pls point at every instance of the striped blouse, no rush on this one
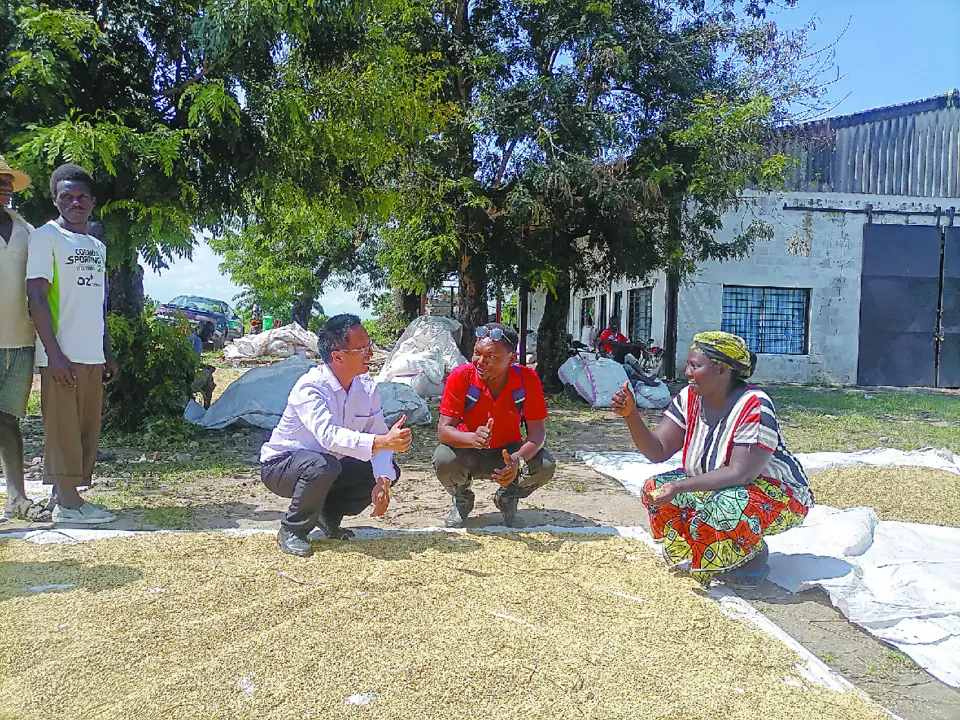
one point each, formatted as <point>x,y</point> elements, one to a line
<point>751,421</point>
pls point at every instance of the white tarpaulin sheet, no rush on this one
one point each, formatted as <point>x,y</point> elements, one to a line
<point>283,341</point>
<point>899,581</point>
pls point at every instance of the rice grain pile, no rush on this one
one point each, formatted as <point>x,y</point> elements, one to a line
<point>424,626</point>
<point>910,494</point>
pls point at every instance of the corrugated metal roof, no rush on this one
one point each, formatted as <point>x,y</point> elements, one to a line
<point>911,149</point>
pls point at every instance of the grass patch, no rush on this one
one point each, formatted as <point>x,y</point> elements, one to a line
<point>807,431</point>
<point>170,518</point>
<point>33,403</point>
<point>902,404</point>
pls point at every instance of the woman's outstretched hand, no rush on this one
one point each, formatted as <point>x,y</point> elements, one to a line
<point>623,403</point>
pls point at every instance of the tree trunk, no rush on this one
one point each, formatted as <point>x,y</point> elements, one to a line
<point>674,230</point>
<point>473,298</point>
<point>552,334</point>
<point>302,308</point>
<point>125,296</point>
<point>407,304</point>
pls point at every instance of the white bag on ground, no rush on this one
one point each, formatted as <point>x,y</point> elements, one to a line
<point>399,400</point>
<point>425,355</point>
<point>599,380</point>
<point>652,398</point>
<point>571,369</point>
<point>284,341</point>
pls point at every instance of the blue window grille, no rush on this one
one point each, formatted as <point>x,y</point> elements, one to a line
<point>774,321</point>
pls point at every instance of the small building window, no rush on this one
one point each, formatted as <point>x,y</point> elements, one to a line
<point>586,312</point>
<point>640,314</point>
<point>774,321</point>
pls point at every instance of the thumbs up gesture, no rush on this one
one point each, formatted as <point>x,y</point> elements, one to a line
<point>507,474</point>
<point>623,403</point>
<point>397,439</point>
<point>481,436</point>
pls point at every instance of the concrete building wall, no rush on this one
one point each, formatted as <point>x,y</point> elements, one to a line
<point>821,251</point>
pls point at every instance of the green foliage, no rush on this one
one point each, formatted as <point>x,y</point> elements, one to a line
<point>157,368</point>
<point>168,433</point>
<point>388,321</point>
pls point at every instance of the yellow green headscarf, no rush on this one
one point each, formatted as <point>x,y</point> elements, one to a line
<point>728,349</point>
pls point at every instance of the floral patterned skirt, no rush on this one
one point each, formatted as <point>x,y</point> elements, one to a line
<point>720,530</point>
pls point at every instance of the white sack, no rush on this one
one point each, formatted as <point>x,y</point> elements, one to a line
<point>652,398</point>
<point>424,356</point>
<point>599,380</point>
<point>283,341</point>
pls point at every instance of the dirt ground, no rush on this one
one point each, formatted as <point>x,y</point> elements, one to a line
<point>215,484</point>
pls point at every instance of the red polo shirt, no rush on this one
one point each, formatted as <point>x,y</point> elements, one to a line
<point>610,334</point>
<point>503,410</point>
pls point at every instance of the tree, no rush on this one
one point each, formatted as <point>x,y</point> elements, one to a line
<point>581,147</point>
<point>172,106</point>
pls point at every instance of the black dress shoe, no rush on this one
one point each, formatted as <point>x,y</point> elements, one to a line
<point>293,544</point>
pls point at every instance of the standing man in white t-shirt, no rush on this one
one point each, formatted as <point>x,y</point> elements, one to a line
<point>66,284</point>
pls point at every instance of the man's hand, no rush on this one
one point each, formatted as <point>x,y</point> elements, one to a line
<point>508,473</point>
<point>623,403</point>
<point>481,436</point>
<point>110,371</point>
<point>62,369</point>
<point>380,497</point>
<point>397,439</point>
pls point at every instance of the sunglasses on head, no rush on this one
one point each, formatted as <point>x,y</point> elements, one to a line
<point>492,333</point>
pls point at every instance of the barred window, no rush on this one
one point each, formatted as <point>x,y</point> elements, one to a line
<point>774,321</point>
<point>586,312</point>
<point>640,314</point>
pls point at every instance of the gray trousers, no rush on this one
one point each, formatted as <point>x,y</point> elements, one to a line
<point>319,483</point>
<point>456,468</point>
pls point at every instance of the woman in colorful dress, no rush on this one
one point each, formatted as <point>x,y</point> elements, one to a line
<point>738,482</point>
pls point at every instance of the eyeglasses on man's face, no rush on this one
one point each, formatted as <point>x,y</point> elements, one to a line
<point>366,350</point>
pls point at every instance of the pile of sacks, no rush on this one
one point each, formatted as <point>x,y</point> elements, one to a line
<point>425,354</point>
<point>597,379</point>
<point>284,341</point>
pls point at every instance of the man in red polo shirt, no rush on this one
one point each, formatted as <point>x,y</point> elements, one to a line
<point>611,338</point>
<point>484,405</point>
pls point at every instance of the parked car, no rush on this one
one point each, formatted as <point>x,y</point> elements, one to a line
<point>215,321</point>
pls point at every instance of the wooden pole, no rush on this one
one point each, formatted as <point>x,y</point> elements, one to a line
<point>499,308</point>
<point>523,325</point>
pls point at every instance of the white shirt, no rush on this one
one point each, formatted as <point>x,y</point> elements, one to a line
<point>75,265</point>
<point>16,330</point>
<point>323,417</point>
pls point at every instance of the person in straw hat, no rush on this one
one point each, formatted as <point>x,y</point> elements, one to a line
<point>16,345</point>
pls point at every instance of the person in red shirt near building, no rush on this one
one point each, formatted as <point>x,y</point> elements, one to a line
<point>611,338</point>
<point>485,403</point>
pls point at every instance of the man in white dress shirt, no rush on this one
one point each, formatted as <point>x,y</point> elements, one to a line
<point>332,453</point>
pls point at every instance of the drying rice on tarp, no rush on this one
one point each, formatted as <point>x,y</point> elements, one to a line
<point>213,625</point>
<point>909,494</point>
